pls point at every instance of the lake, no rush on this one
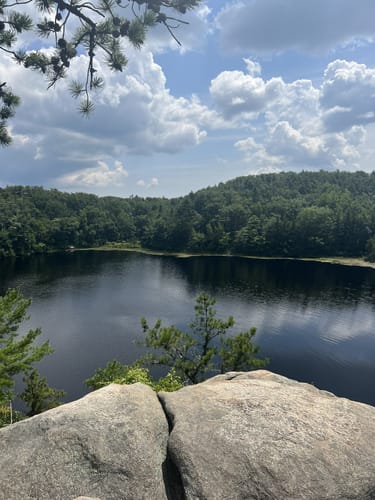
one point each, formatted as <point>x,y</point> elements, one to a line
<point>315,321</point>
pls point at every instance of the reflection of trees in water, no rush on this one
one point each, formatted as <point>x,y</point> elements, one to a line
<point>50,268</point>
<point>260,280</point>
<point>297,281</point>
<point>306,313</point>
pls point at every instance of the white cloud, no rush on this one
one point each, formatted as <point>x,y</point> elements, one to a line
<point>18,139</point>
<point>236,92</point>
<point>246,95</point>
<point>257,154</point>
<point>135,114</point>
<point>253,67</point>
<point>297,103</point>
<point>154,182</point>
<point>288,142</point>
<point>348,95</point>
<point>102,175</point>
<point>274,123</point>
<point>266,26</point>
<point>290,127</point>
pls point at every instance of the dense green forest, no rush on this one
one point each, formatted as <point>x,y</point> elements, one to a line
<point>303,214</point>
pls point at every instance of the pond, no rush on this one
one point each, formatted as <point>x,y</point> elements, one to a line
<point>315,321</point>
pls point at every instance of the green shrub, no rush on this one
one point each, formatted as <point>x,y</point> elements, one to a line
<point>6,418</point>
<point>117,373</point>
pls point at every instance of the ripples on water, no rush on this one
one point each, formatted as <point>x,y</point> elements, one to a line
<point>315,321</point>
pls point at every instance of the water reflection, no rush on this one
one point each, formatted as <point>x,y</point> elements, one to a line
<point>315,321</point>
<point>271,279</point>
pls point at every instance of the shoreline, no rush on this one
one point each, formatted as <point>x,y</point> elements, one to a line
<point>342,261</point>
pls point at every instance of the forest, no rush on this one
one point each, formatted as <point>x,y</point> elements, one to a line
<point>306,214</point>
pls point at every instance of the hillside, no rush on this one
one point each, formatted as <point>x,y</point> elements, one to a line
<point>305,214</point>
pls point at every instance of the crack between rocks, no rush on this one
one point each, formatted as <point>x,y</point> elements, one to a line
<point>174,487</point>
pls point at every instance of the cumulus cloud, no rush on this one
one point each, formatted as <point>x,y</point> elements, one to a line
<point>135,114</point>
<point>253,67</point>
<point>288,142</point>
<point>290,125</point>
<point>266,26</point>
<point>257,154</point>
<point>246,95</point>
<point>236,92</point>
<point>274,124</point>
<point>101,175</point>
<point>348,95</point>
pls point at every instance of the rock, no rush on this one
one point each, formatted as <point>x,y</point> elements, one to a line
<point>111,444</point>
<point>258,435</point>
<point>234,437</point>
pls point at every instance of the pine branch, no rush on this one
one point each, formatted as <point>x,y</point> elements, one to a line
<point>102,28</point>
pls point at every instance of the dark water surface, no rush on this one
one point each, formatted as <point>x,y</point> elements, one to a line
<point>316,322</point>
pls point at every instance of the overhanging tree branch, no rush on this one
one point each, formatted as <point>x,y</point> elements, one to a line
<point>102,27</point>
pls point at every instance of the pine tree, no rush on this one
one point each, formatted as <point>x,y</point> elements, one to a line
<point>206,349</point>
<point>38,395</point>
<point>17,353</point>
<point>103,26</point>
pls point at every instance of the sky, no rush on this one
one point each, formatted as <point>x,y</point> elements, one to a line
<point>257,86</point>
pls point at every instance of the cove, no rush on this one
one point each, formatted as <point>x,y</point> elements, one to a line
<point>315,321</point>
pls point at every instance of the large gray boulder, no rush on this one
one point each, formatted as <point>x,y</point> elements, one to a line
<point>111,444</point>
<point>236,436</point>
<point>262,436</point>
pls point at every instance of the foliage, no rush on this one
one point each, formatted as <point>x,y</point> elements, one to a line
<point>117,373</point>
<point>8,416</point>
<point>8,103</point>
<point>170,383</point>
<point>17,354</point>
<point>205,349</point>
<point>38,395</point>
<point>104,26</point>
<point>309,214</point>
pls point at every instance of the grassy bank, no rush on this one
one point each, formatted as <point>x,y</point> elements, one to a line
<point>343,261</point>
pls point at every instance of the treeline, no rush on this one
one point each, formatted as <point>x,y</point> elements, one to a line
<point>287,214</point>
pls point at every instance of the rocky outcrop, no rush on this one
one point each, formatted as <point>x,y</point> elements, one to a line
<point>262,436</point>
<point>111,444</point>
<point>236,436</point>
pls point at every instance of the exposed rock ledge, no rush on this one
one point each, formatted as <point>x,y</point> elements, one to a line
<point>234,437</point>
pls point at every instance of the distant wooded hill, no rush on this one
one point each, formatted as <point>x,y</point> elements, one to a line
<point>288,214</point>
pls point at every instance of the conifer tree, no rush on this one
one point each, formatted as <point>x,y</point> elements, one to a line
<point>17,353</point>
<point>206,349</point>
<point>103,25</point>
<point>38,395</point>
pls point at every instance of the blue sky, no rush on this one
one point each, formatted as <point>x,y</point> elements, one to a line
<point>257,86</point>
